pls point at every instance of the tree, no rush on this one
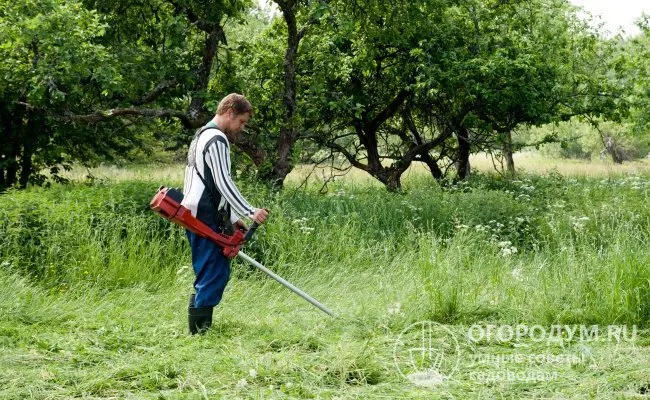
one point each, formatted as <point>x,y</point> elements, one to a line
<point>49,58</point>
<point>268,72</point>
<point>67,71</point>
<point>638,69</point>
<point>431,81</point>
<point>522,64</point>
<point>359,71</point>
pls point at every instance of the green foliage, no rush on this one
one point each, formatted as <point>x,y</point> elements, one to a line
<point>475,69</point>
<point>638,72</point>
<point>55,65</point>
<point>104,235</point>
<point>580,140</point>
<point>373,79</point>
<point>69,63</point>
<point>48,52</point>
<point>89,233</point>
<point>96,290</point>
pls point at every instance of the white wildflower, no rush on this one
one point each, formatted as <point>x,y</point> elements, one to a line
<point>242,383</point>
<point>394,309</point>
<point>559,204</point>
<point>579,222</point>
<point>252,373</point>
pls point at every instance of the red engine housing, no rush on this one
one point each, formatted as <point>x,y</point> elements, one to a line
<point>167,203</point>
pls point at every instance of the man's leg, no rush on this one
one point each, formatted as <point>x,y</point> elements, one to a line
<point>212,271</point>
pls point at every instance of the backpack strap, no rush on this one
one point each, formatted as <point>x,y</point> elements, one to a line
<point>214,198</point>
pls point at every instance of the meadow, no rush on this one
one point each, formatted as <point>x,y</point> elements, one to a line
<point>536,287</point>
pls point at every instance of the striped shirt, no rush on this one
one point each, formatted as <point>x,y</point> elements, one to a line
<point>209,154</point>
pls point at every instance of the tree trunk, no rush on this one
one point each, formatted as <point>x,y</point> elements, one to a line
<point>12,159</point>
<point>391,178</point>
<point>25,165</point>
<point>613,149</point>
<point>394,183</point>
<point>203,73</point>
<point>436,172</point>
<point>507,153</point>
<point>12,172</point>
<point>462,163</point>
<point>282,164</point>
<point>4,146</point>
<point>33,128</point>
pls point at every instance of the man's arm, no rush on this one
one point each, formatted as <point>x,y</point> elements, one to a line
<point>217,159</point>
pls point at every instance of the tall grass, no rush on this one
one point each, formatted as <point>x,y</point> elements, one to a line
<point>88,234</point>
<point>95,287</point>
<point>542,249</point>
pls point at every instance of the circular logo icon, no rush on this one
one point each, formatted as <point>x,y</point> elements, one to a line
<point>426,353</point>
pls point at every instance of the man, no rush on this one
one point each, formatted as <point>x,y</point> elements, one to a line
<point>212,197</point>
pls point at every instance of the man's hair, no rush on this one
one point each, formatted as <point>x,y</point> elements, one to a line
<point>235,102</point>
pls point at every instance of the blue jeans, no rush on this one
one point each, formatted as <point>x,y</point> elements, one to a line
<point>211,268</point>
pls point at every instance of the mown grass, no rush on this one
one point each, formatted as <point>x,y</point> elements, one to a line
<point>96,289</point>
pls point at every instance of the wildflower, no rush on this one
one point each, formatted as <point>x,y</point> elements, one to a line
<point>507,249</point>
<point>252,373</point>
<point>559,204</point>
<point>579,222</point>
<point>395,309</point>
<point>242,383</point>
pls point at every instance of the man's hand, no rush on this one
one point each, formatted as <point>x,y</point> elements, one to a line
<point>261,215</point>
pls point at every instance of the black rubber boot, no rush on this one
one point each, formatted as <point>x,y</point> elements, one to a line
<point>199,318</point>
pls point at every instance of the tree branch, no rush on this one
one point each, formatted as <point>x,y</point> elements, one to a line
<point>387,112</point>
<point>249,146</point>
<point>156,92</point>
<point>206,26</point>
<point>140,112</point>
<point>335,146</point>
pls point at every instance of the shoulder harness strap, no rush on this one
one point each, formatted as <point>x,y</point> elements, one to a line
<point>191,161</point>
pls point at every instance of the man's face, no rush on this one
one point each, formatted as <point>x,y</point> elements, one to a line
<point>236,122</point>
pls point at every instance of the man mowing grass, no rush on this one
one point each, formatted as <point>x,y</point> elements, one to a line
<point>212,197</point>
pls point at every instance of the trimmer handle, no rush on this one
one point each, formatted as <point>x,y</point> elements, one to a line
<point>250,231</point>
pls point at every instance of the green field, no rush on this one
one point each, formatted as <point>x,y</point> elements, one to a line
<point>490,289</point>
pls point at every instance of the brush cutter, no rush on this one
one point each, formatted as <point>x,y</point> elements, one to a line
<point>167,203</point>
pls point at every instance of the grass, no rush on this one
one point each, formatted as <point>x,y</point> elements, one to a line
<point>96,290</point>
<point>526,162</point>
<point>533,162</point>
